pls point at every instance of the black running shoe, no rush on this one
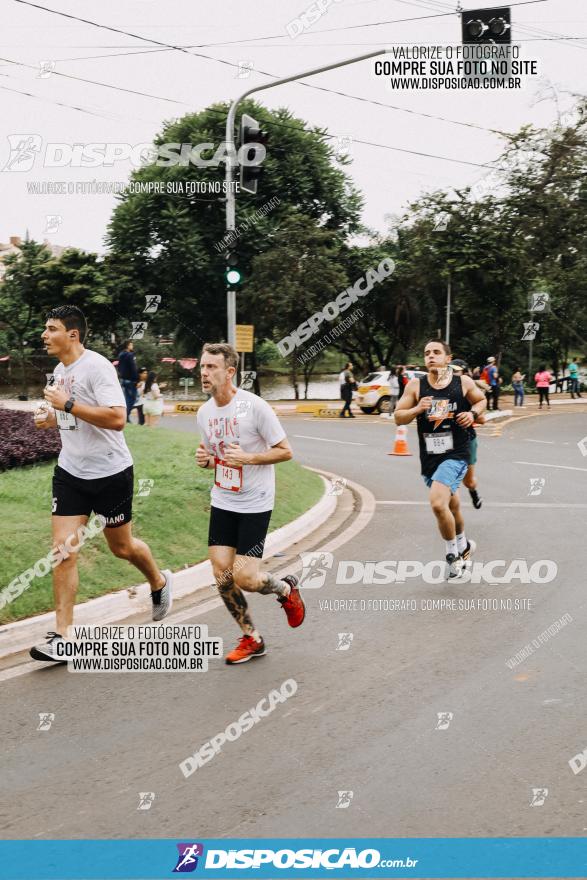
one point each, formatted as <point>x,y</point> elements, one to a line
<point>477,502</point>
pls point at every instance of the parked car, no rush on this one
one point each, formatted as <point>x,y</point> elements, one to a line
<point>373,393</point>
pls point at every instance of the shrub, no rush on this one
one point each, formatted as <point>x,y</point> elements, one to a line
<point>21,443</point>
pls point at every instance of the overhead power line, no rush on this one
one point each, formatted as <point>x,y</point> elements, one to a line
<point>168,46</point>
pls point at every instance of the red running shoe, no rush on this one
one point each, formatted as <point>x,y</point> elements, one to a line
<point>293,605</point>
<point>246,649</point>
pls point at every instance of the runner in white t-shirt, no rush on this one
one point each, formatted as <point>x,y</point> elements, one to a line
<point>94,472</point>
<point>241,441</point>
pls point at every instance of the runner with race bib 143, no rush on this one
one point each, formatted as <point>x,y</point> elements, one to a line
<point>242,439</point>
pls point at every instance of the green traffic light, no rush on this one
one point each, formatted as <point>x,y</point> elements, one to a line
<point>233,276</point>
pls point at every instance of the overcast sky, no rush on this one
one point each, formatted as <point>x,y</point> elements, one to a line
<point>223,30</point>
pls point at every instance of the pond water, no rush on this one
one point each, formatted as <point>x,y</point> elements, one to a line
<point>322,387</point>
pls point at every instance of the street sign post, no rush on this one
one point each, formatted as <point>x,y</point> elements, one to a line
<point>186,383</point>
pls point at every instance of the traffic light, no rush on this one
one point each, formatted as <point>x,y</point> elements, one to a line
<point>491,25</point>
<point>251,153</point>
<point>232,273</point>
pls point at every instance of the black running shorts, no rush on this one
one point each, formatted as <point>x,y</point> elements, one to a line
<point>246,532</point>
<point>111,497</point>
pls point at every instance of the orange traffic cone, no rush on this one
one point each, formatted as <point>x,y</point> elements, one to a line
<point>400,446</point>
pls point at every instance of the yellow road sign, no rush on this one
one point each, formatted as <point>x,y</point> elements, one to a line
<point>244,337</point>
<point>188,407</point>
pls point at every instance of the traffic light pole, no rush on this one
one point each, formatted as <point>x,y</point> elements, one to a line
<point>231,161</point>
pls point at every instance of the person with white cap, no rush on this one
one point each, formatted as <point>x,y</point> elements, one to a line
<point>490,375</point>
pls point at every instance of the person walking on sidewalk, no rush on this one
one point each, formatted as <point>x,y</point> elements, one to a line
<point>129,375</point>
<point>543,379</point>
<point>242,440</point>
<point>346,390</point>
<point>518,386</point>
<point>445,406</point>
<point>94,472</point>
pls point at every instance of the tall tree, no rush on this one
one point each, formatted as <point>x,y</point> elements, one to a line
<point>292,281</point>
<point>173,243</point>
<point>22,299</point>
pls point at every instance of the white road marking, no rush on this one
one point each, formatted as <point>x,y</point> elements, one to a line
<point>562,467</point>
<point>495,504</point>
<point>327,440</point>
<point>546,442</point>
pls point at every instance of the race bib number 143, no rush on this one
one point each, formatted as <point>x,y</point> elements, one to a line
<point>228,476</point>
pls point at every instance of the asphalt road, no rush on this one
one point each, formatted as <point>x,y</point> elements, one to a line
<point>363,720</point>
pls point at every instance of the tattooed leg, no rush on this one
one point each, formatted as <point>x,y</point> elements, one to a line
<point>272,584</point>
<point>235,601</point>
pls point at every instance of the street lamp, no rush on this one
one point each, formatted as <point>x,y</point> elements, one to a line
<point>231,160</point>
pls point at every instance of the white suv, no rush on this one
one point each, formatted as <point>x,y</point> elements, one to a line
<point>374,393</point>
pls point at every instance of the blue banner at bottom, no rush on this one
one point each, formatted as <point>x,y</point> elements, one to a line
<point>555,857</point>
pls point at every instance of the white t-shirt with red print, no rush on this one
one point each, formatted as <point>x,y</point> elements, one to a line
<point>249,421</point>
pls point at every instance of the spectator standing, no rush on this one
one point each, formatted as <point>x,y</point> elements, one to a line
<point>543,378</point>
<point>143,373</point>
<point>346,391</point>
<point>129,375</point>
<point>574,384</point>
<point>400,373</point>
<point>153,401</point>
<point>393,390</point>
<point>490,375</point>
<point>518,386</point>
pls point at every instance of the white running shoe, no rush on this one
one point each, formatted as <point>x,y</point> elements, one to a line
<point>455,566</point>
<point>48,651</point>
<point>162,607</point>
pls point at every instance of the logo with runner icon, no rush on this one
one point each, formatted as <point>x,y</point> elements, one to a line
<point>187,860</point>
<point>314,568</point>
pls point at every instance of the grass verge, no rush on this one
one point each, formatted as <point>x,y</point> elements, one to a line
<point>173,518</point>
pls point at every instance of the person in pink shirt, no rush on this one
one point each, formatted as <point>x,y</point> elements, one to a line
<point>543,378</point>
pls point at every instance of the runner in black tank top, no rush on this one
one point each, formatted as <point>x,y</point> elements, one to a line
<point>445,407</point>
<point>439,434</point>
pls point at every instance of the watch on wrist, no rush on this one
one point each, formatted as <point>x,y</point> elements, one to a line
<point>68,406</point>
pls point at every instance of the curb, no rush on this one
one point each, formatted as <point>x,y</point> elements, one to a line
<point>113,607</point>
